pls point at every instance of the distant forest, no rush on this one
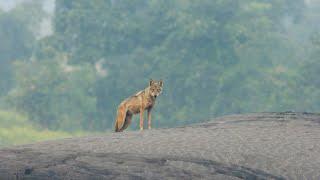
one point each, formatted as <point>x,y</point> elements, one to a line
<point>216,57</point>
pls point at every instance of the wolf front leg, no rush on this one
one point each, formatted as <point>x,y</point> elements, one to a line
<point>141,118</point>
<point>149,118</point>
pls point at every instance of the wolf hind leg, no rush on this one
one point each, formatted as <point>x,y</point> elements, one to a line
<point>127,121</point>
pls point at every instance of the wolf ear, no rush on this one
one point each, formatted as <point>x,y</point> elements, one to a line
<point>151,82</point>
<point>161,82</point>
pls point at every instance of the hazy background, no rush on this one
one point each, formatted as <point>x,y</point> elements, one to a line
<point>67,64</point>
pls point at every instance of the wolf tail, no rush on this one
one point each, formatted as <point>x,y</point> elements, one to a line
<point>121,117</point>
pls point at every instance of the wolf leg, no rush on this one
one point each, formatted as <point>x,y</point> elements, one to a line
<point>127,121</point>
<point>141,118</point>
<point>149,118</point>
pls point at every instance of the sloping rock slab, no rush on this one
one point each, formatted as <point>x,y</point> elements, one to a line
<point>251,146</point>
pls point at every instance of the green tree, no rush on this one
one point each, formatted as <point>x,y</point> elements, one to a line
<point>202,50</point>
<point>55,94</point>
<point>17,35</point>
<point>215,57</point>
<point>16,42</point>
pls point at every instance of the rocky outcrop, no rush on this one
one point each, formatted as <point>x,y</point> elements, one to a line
<point>252,146</point>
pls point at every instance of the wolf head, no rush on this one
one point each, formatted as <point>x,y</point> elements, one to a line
<point>155,87</point>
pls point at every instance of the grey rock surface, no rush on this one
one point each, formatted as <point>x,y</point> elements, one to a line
<point>251,146</point>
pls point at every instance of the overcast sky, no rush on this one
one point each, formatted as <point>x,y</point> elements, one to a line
<point>46,24</point>
<point>48,5</point>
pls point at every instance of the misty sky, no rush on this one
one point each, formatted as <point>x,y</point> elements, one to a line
<point>45,26</point>
<point>48,5</point>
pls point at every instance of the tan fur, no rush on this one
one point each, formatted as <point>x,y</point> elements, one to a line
<point>138,103</point>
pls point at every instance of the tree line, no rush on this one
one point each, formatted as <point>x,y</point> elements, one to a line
<point>215,57</point>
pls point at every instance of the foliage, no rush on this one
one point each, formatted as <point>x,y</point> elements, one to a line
<point>215,57</point>
<point>16,129</point>
<point>56,93</point>
<point>17,37</point>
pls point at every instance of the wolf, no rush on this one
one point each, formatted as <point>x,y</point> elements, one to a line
<point>138,103</point>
